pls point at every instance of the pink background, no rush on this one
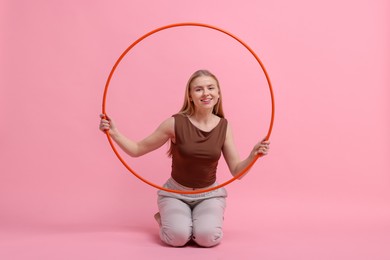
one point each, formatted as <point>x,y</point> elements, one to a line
<point>322,193</point>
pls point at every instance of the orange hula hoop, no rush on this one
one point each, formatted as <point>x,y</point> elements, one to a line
<point>196,191</point>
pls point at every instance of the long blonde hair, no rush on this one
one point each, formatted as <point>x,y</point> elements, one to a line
<point>188,107</point>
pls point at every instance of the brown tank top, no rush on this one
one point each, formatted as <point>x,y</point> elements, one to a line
<point>196,153</point>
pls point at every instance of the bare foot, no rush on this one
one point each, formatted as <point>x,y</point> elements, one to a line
<point>157,217</point>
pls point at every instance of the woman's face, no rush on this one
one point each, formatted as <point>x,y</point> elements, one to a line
<point>204,92</point>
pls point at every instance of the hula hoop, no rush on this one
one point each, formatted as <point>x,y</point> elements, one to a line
<point>195,191</point>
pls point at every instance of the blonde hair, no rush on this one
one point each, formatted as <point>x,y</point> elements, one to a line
<point>188,107</point>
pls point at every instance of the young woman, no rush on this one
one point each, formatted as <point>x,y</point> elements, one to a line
<point>198,134</point>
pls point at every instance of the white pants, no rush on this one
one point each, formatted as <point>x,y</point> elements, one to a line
<point>191,216</point>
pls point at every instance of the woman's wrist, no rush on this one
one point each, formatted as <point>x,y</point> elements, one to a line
<point>114,134</point>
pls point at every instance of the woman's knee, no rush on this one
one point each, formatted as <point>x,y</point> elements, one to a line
<point>207,237</point>
<point>175,236</point>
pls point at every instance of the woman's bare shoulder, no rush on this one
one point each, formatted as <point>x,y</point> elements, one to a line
<point>168,126</point>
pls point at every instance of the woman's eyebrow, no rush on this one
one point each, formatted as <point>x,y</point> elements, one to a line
<point>200,86</point>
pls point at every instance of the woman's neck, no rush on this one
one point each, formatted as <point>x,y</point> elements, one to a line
<point>203,116</point>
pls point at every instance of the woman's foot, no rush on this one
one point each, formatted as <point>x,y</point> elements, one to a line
<point>157,217</point>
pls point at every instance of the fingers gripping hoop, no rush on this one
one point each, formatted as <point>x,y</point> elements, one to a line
<point>180,25</point>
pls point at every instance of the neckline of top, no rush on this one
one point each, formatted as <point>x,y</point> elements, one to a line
<point>219,122</point>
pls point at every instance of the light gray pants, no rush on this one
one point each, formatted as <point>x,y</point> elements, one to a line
<point>191,216</point>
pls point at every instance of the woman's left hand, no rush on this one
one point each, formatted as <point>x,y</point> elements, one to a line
<point>261,148</point>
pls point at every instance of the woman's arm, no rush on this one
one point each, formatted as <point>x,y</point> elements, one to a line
<point>160,136</point>
<point>232,157</point>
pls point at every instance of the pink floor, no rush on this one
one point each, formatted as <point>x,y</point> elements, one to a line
<point>285,230</point>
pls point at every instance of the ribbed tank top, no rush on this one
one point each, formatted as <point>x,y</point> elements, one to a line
<point>196,153</point>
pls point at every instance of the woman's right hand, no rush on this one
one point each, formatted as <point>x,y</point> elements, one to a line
<point>106,124</point>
